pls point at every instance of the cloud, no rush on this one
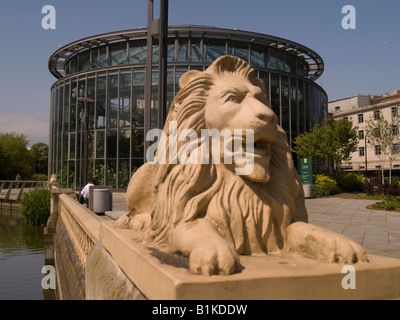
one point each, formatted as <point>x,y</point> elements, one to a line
<point>35,128</point>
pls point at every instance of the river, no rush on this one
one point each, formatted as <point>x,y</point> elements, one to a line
<point>22,257</point>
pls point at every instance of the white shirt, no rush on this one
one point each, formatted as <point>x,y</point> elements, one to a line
<point>85,190</point>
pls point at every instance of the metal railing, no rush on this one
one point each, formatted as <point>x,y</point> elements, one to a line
<point>12,190</point>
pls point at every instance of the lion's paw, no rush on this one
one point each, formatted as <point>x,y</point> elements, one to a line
<point>323,245</point>
<point>213,259</point>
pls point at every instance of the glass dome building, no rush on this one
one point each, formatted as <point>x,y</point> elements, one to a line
<point>101,89</point>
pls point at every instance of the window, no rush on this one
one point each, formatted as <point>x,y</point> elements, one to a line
<point>377,150</point>
<point>377,115</point>
<point>361,135</point>
<point>337,109</point>
<point>396,148</point>
<point>395,130</point>
<point>361,118</point>
<point>394,112</point>
<point>361,151</point>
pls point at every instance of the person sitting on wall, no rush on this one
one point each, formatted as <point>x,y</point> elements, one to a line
<point>84,196</point>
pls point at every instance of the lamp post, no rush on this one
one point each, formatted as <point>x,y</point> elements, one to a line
<point>84,143</point>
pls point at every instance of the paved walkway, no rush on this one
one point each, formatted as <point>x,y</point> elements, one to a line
<point>377,231</point>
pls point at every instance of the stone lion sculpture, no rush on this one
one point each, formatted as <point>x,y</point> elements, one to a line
<point>209,213</point>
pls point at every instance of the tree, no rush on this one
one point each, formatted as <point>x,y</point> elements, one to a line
<point>328,144</point>
<point>39,153</point>
<point>380,134</point>
<point>15,156</point>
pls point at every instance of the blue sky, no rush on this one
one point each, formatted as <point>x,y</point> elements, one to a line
<point>356,61</point>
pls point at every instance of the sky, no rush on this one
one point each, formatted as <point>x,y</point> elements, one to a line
<point>364,60</point>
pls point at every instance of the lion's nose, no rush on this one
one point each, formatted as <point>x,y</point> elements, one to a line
<point>263,112</point>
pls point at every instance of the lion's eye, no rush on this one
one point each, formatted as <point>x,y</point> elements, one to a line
<point>234,98</point>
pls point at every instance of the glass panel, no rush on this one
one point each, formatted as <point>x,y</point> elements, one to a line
<point>118,54</point>
<point>72,146</point>
<point>73,65</point>
<point>265,77</point>
<point>136,164</point>
<point>273,60</point>
<point>275,94</point>
<point>290,63</point>
<point>182,50</point>
<point>195,50</point>
<point>156,50</point>
<point>101,102</point>
<point>82,88</point>
<point>300,98</point>
<point>138,51</point>
<point>95,57</point>
<point>102,56</point>
<point>91,97</point>
<point>285,103</point>
<point>123,174</point>
<point>300,67</point>
<point>111,175</point>
<point>99,144</point>
<point>72,110</point>
<point>84,60</point>
<point>171,50</point>
<point>137,143</point>
<point>258,56</point>
<point>99,171</point>
<point>154,101</point>
<point>138,99</point>
<point>293,108</point>
<point>124,143</point>
<point>112,106</point>
<point>213,49</point>
<point>239,49</point>
<point>71,177</point>
<point>125,99</point>
<point>111,144</point>
<point>307,106</point>
<point>280,60</point>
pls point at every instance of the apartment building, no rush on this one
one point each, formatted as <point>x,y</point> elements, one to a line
<point>359,109</point>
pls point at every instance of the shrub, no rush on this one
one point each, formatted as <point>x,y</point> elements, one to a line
<point>39,177</point>
<point>350,181</point>
<point>323,186</point>
<point>391,203</point>
<point>35,206</point>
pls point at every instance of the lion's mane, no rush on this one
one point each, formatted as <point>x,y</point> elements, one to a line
<point>253,217</point>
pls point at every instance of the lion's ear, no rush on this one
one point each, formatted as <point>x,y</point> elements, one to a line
<point>187,77</point>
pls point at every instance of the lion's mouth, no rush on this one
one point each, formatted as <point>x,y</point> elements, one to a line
<point>262,148</point>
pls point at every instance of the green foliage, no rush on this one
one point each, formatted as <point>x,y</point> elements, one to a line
<point>35,206</point>
<point>350,181</point>
<point>39,177</point>
<point>390,203</point>
<point>323,186</point>
<point>39,153</point>
<point>15,156</point>
<point>331,143</point>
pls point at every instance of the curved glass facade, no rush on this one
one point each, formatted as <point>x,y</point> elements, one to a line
<point>101,90</point>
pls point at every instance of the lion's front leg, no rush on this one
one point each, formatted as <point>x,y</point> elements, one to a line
<point>322,244</point>
<point>208,252</point>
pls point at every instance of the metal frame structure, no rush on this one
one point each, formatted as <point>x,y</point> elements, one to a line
<point>94,62</point>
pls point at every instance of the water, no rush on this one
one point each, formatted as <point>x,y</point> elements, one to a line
<point>22,257</point>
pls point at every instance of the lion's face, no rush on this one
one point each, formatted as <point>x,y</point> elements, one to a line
<point>235,103</point>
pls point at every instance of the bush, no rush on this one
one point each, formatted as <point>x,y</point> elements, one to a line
<point>35,206</point>
<point>350,181</point>
<point>387,189</point>
<point>323,186</point>
<point>39,177</point>
<point>391,203</point>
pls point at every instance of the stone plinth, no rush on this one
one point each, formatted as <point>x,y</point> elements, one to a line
<point>160,275</point>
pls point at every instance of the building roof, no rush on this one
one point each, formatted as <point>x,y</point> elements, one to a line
<point>314,61</point>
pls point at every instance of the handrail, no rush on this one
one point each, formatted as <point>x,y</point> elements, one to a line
<point>12,190</point>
